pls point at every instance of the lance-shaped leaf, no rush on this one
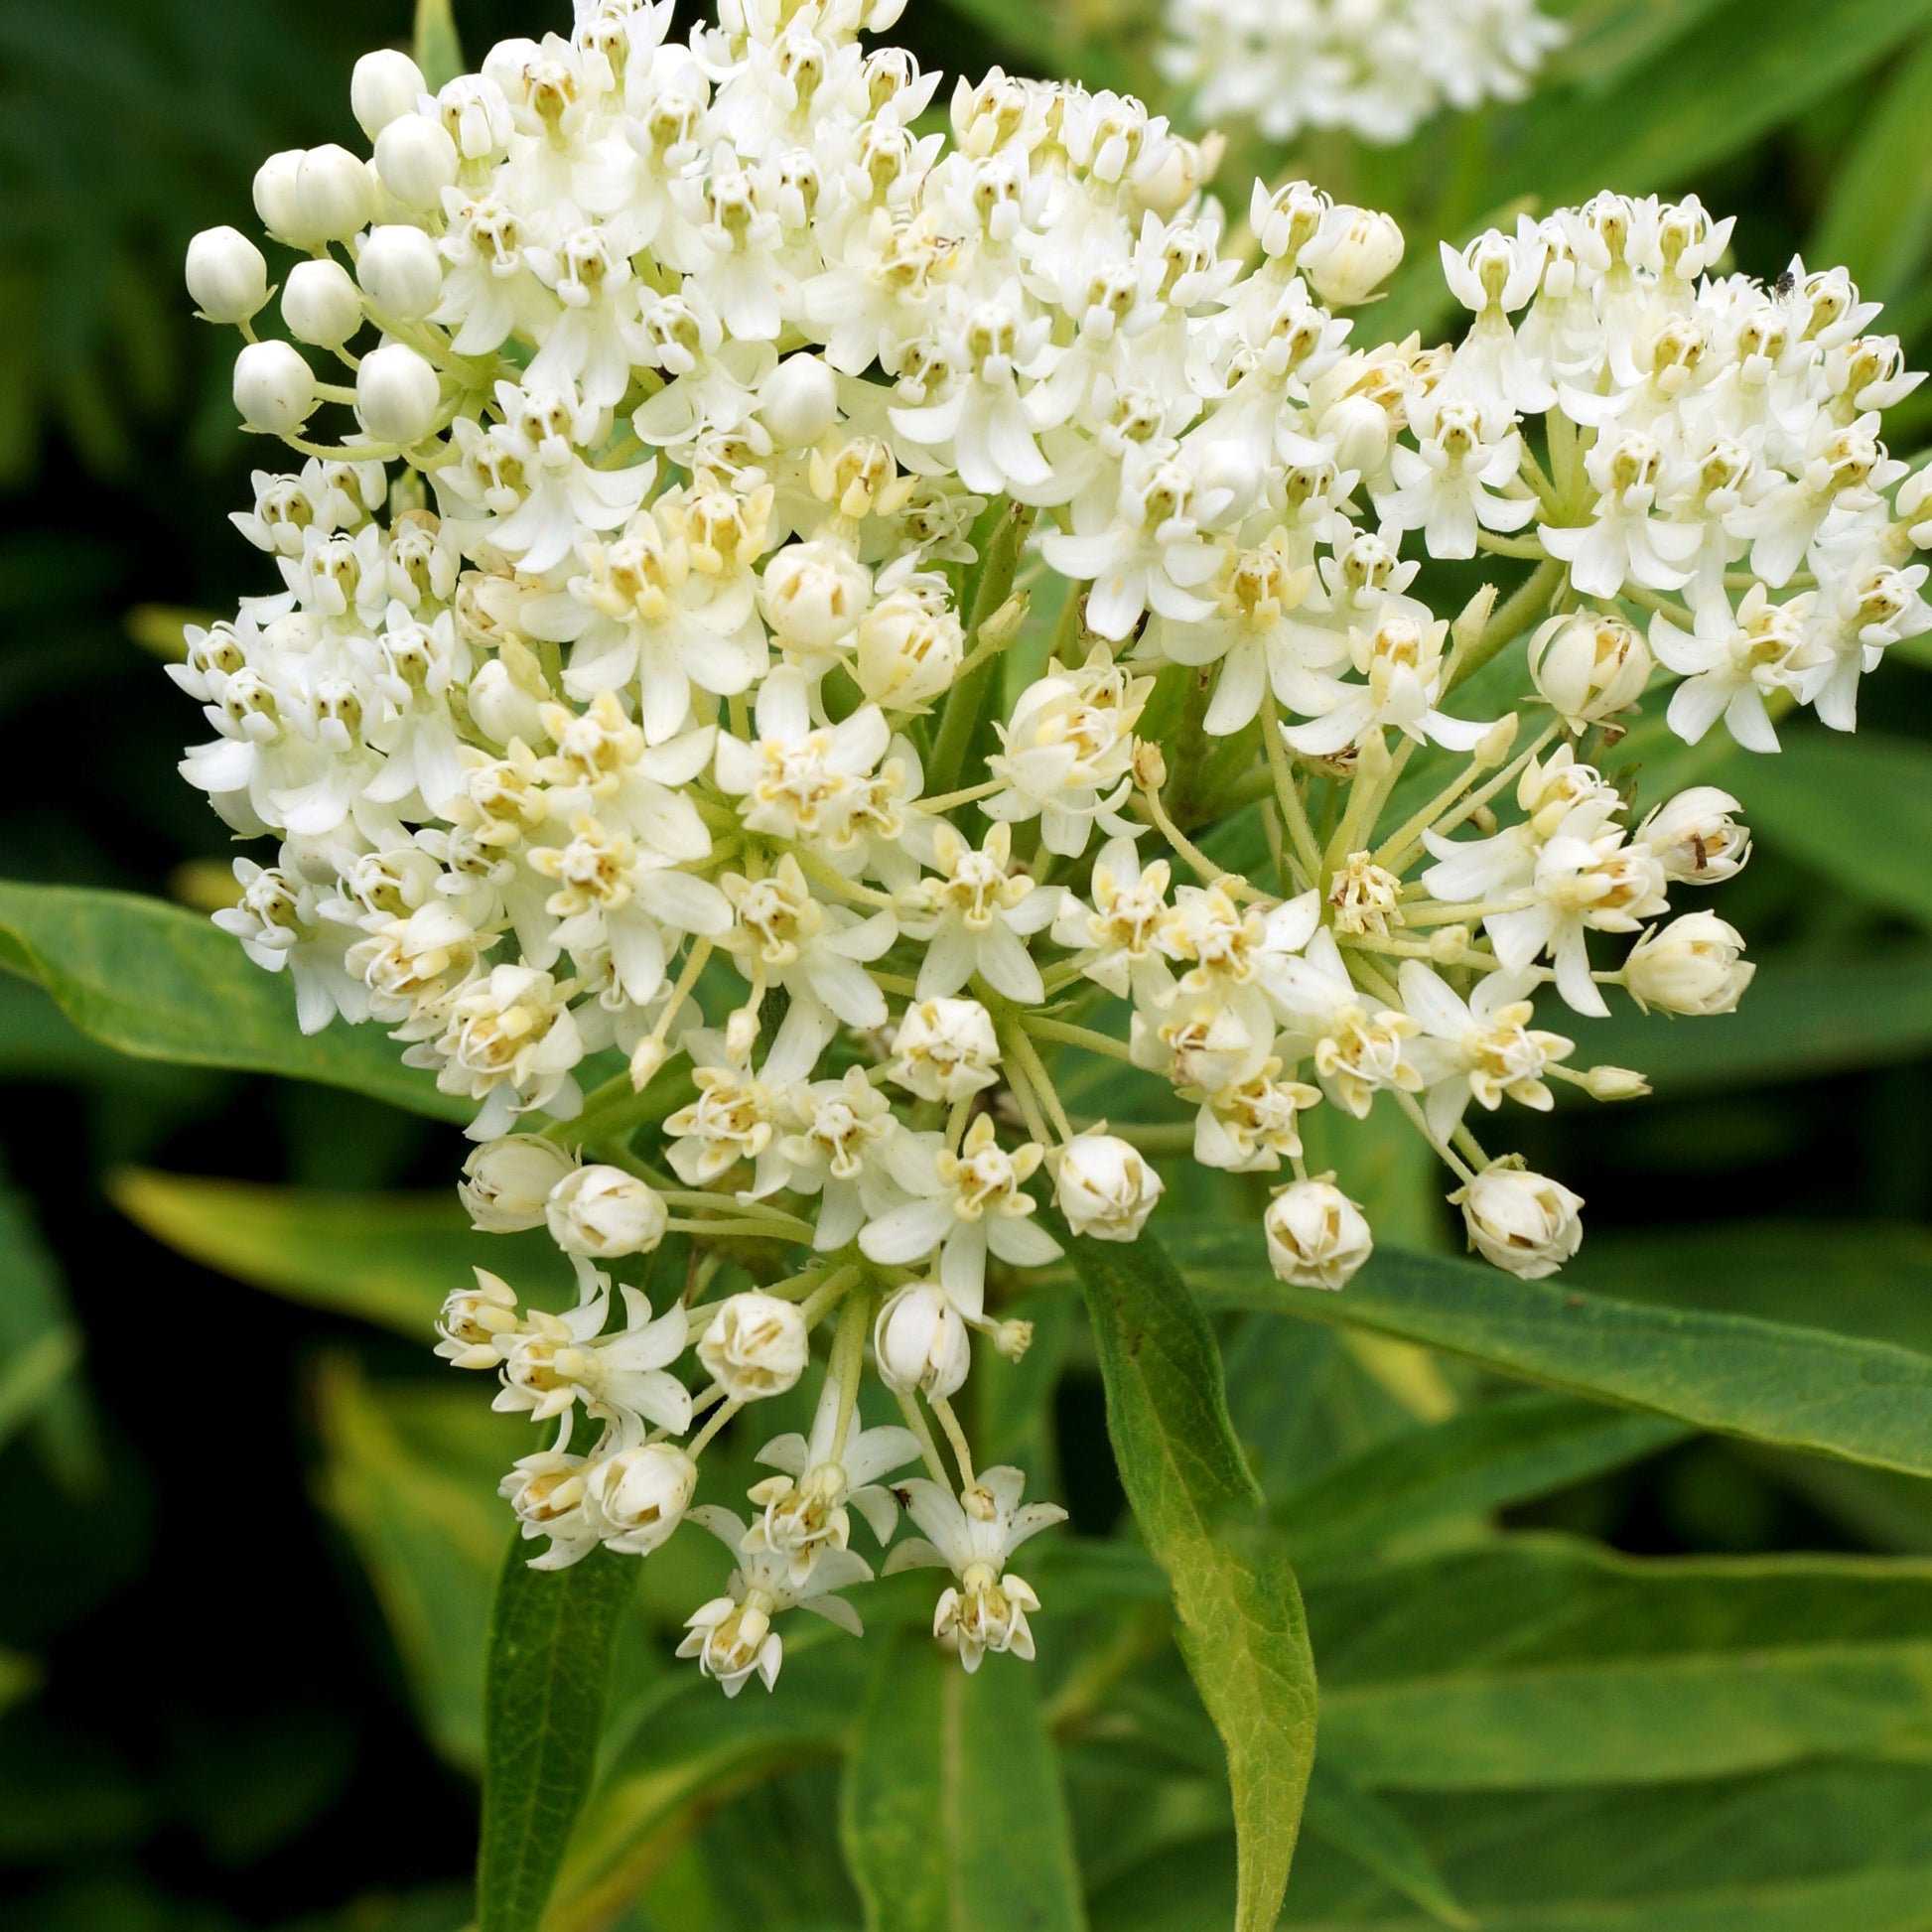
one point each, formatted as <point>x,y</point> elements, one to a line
<point>552,1634</point>
<point>1806,1388</point>
<point>389,1259</point>
<point>160,982</point>
<point>439,52</point>
<point>951,1809</point>
<point>1199,1508</point>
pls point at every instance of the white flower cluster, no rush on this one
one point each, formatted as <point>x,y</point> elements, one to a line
<point>1378,69</point>
<point>631,712</point>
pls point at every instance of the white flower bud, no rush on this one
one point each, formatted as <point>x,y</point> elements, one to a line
<point>1615,1083</point>
<point>908,653</point>
<point>640,1494</point>
<point>506,706</point>
<point>1695,837</point>
<point>1523,1222</point>
<point>397,394</point>
<point>921,1343</point>
<point>1104,1187</point>
<point>334,195</point>
<point>1316,1236</point>
<point>756,1346</point>
<point>1589,666</point>
<point>814,594</point>
<point>1362,432</point>
<point>321,305</point>
<point>1357,250</point>
<point>945,1050</point>
<point>1694,965</point>
<point>274,388</point>
<point>506,1182</point>
<point>226,276</point>
<point>415,160</point>
<point>386,85</point>
<point>798,402</point>
<point>401,272</point>
<point>605,1213</point>
<point>647,1059</point>
<point>1013,1337</point>
<point>276,200</point>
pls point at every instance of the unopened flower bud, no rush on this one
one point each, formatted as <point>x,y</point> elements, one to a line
<point>1493,747</point>
<point>1615,1083</point>
<point>605,1213</point>
<point>1589,666</point>
<point>386,85</point>
<point>1523,1222</point>
<point>415,158</point>
<point>741,1033</point>
<point>756,1346</point>
<point>909,654</point>
<point>1003,626</point>
<point>1355,251</point>
<point>1694,965</point>
<point>798,402</point>
<point>1104,1187</point>
<point>921,1341</point>
<point>1472,618</point>
<point>815,594</point>
<point>334,195</point>
<point>274,387</point>
<point>400,271</point>
<point>1316,1236</point>
<point>946,1050</point>
<point>505,705</point>
<point>1150,768</point>
<point>508,1182</point>
<point>1012,1338</point>
<point>1695,837</point>
<point>641,1494</point>
<point>397,394</point>
<point>321,305</point>
<point>226,275</point>
<point>1448,945</point>
<point>276,201</point>
<point>647,1059</point>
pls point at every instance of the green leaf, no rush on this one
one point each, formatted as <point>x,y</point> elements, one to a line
<point>1046,40</point>
<point>1805,1388</point>
<point>951,1810</point>
<point>1877,214</point>
<point>161,983</point>
<point>439,52</point>
<point>41,1349</point>
<point>1539,1663</point>
<point>1820,797</point>
<point>1358,1823</point>
<point>1483,1458</point>
<point>389,1259</point>
<point>1799,1019</point>
<point>552,1635</point>
<point>410,1472</point>
<point>1198,1505</point>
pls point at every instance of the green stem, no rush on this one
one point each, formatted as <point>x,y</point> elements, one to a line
<point>967,698</point>
<point>1509,621</point>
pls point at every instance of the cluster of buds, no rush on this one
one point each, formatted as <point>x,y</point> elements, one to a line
<point>712,713</point>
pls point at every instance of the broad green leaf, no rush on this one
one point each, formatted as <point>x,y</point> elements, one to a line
<point>160,982</point>
<point>1858,1278</point>
<point>439,52</point>
<point>410,1472</point>
<point>1538,1662</point>
<point>1799,1019</point>
<point>1804,1388</point>
<point>552,1636</point>
<point>1485,1458</point>
<point>389,1259</point>
<point>1820,798</point>
<point>951,1810</point>
<point>1198,1507</point>
<point>1877,214</point>
<point>1374,1835</point>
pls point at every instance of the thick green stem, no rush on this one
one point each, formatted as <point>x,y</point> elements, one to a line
<point>967,698</point>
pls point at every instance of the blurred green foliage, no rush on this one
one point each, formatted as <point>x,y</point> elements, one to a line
<point>1613,1665</point>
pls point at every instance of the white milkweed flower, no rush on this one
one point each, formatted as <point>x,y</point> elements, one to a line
<point>1589,666</point>
<point>508,1182</point>
<point>638,1494</point>
<point>1316,1236</point>
<point>921,1341</point>
<point>755,1346</point>
<point>945,1050</point>
<point>1695,837</point>
<point>474,1321</point>
<point>976,916</point>
<point>1524,1222</point>
<point>604,1213</point>
<point>1696,964</point>
<point>974,1536</point>
<point>1103,1185</point>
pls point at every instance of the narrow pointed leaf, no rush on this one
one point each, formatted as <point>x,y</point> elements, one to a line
<point>1197,1504</point>
<point>1805,1388</point>
<point>1376,1836</point>
<point>439,52</point>
<point>551,1638</point>
<point>1877,217</point>
<point>160,982</point>
<point>951,1808</point>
